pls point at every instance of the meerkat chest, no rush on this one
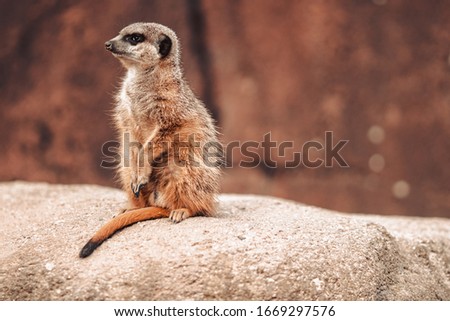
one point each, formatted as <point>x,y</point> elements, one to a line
<point>127,93</point>
<point>134,108</point>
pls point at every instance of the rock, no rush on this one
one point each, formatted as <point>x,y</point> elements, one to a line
<point>256,248</point>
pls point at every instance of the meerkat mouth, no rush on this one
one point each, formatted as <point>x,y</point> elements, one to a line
<point>118,54</point>
<point>122,55</point>
<point>125,56</point>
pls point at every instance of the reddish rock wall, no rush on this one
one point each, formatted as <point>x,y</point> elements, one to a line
<point>375,73</point>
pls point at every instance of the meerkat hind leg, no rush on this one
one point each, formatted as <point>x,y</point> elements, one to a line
<point>179,214</point>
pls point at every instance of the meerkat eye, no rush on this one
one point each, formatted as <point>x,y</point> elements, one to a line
<point>134,38</point>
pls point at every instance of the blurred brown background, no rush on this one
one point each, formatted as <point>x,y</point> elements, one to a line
<point>375,72</point>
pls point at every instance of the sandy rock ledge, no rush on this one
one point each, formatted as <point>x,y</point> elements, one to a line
<point>257,248</point>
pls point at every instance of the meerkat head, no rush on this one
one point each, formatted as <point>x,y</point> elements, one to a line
<point>144,45</point>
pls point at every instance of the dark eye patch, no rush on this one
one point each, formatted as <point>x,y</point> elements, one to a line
<point>134,38</point>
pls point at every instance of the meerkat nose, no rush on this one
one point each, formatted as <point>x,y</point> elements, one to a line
<point>109,45</point>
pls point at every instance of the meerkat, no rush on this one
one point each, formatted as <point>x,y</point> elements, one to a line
<point>165,173</point>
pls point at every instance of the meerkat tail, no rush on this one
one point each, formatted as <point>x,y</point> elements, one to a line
<point>119,222</point>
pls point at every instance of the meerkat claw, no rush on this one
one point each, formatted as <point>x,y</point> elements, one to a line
<point>136,189</point>
<point>136,194</point>
<point>176,216</point>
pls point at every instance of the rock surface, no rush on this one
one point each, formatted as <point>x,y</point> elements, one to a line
<point>256,248</point>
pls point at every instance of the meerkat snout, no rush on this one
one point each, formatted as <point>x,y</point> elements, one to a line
<point>109,46</point>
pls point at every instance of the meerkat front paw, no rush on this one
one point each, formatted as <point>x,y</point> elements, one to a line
<point>180,214</point>
<point>138,183</point>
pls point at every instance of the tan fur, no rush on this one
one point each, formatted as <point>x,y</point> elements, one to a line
<point>128,218</point>
<point>156,108</point>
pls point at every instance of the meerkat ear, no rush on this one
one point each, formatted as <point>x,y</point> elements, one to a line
<point>165,44</point>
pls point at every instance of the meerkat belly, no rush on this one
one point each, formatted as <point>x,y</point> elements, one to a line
<point>163,184</point>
